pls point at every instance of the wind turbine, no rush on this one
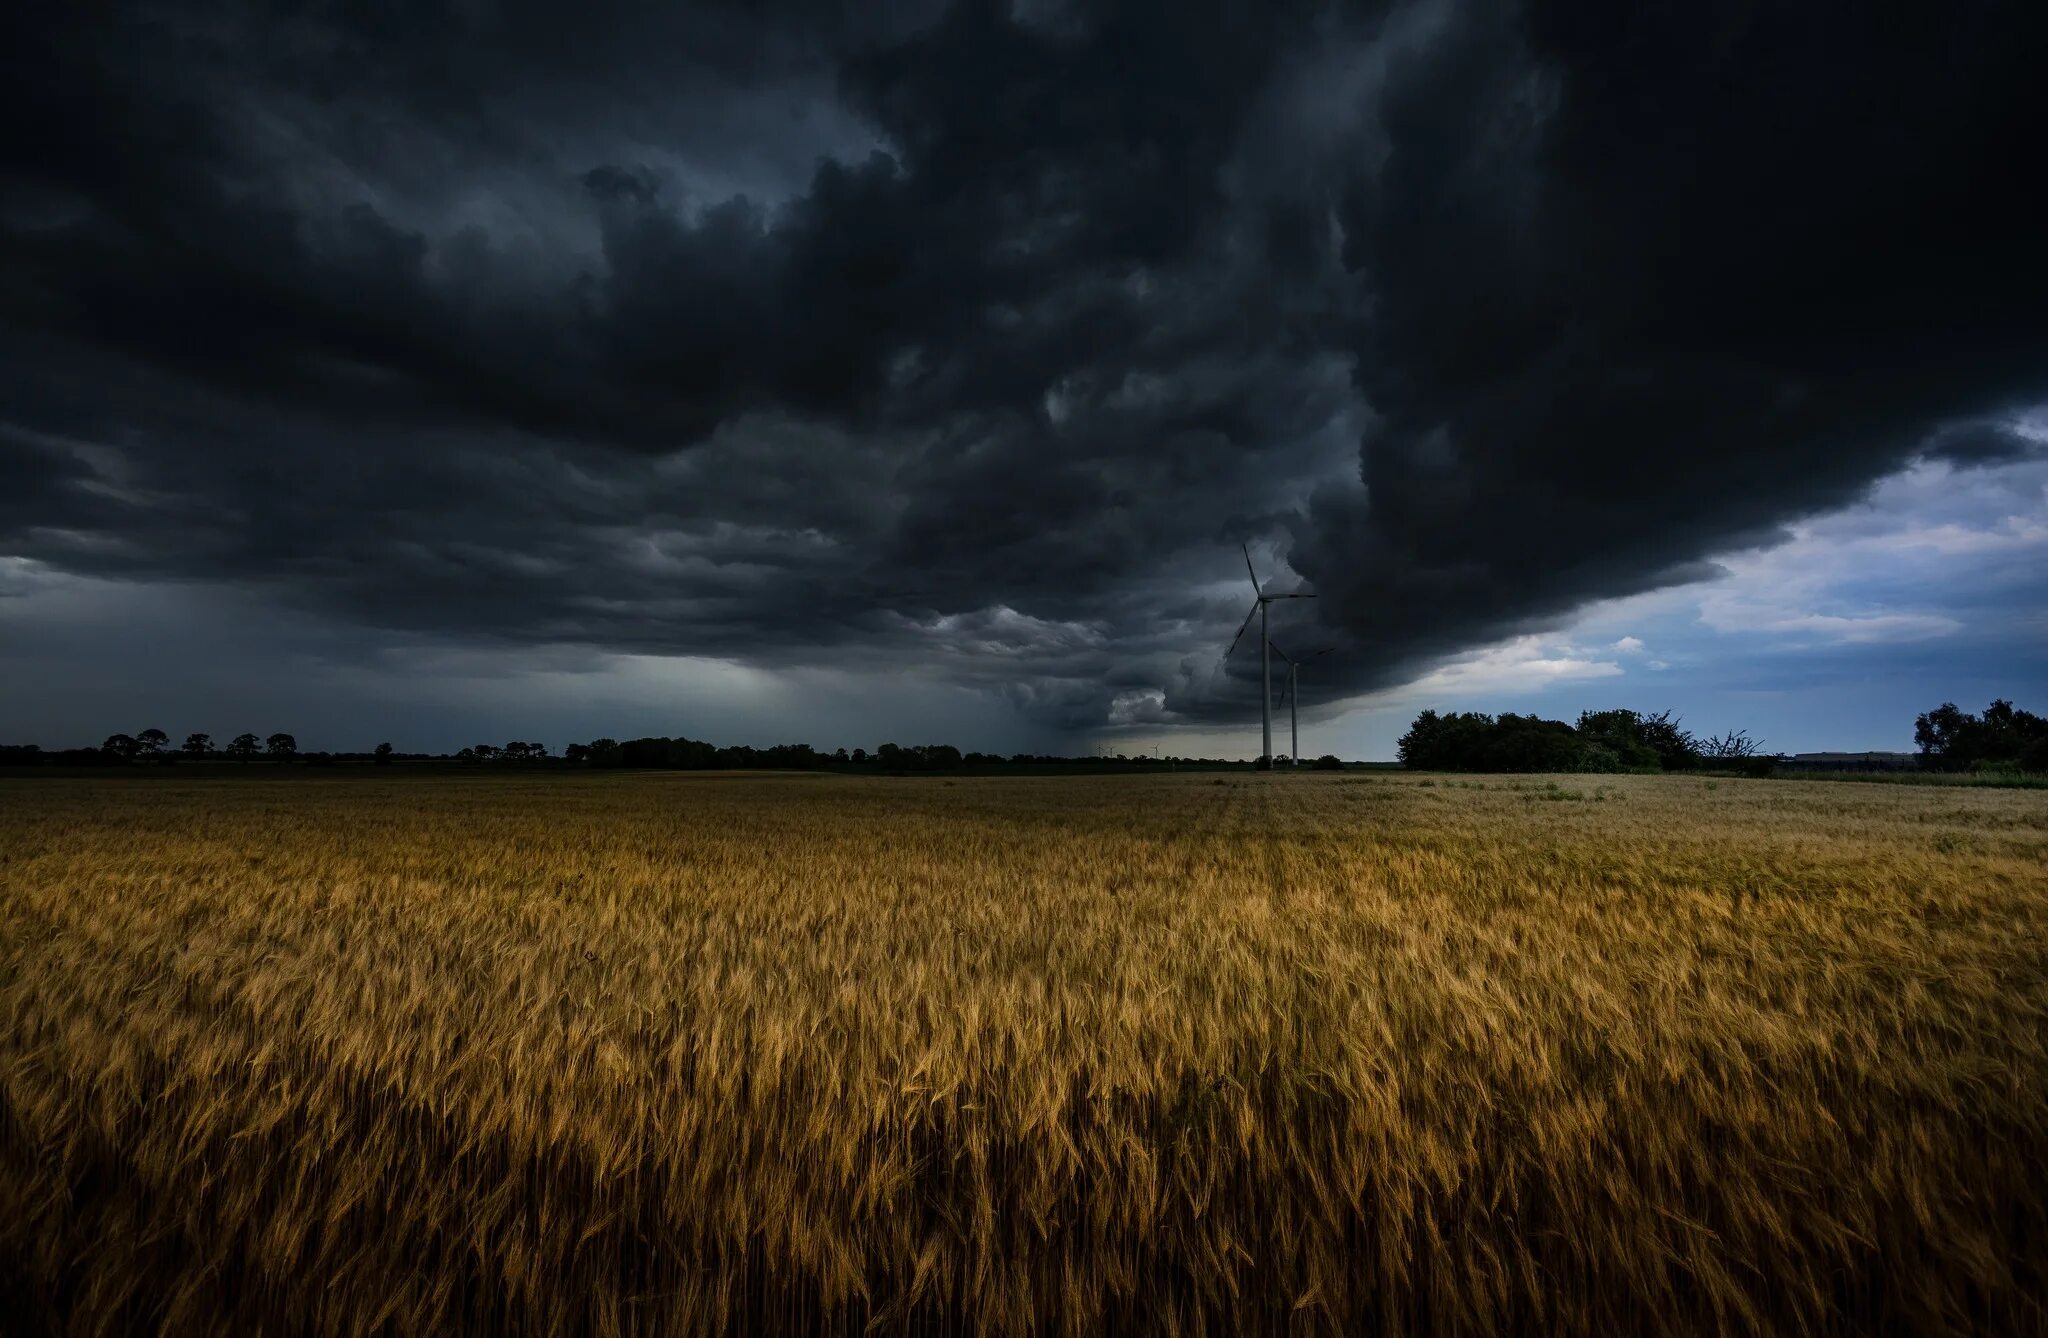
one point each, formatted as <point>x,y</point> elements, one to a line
<point>1293,698</point>
<point>1259,602</point>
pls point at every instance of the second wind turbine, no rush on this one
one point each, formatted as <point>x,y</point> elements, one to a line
<point>1292,696</point>
<point>1260,600</point>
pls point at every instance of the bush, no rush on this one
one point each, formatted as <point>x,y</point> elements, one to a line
<point>1327,762</point>
<point>1598,757</point>
<point>1616,741</point>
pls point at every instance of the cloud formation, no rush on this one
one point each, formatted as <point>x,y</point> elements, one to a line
<point>978,334</point>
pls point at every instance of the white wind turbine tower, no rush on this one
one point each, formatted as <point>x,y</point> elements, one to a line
<point>1293,699</point>
<point>1260,601</point>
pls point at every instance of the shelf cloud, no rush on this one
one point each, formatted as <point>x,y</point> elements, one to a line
<point>983,334</point>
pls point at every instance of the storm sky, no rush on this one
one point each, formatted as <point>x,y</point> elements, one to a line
<point>915,371</point>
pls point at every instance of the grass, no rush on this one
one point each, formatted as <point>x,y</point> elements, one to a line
<point>667,1053</point>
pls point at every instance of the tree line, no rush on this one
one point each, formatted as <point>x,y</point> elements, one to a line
<point>153,747</point>
<point>1603,741</point>
<point>1949,739</point>
<point>2004,737</point>
<point>696,755</point>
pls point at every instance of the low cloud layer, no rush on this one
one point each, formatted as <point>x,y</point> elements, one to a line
<point>979,336</point>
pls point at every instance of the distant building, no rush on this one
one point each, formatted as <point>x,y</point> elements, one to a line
<point>1850,762</point>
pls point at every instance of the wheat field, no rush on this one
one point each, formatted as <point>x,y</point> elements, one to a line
<point>622,1054</point>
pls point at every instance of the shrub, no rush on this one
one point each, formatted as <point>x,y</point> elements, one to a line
<point>1598,757</point>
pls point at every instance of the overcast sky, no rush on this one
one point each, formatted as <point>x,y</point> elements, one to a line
<point>915,371</point>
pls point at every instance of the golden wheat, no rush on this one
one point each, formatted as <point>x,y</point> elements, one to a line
<point>633,1054</point>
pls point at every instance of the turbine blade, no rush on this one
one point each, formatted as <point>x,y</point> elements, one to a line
<point>1324,651</point>
<point>1281,653</point>
<point>1240,628</point>
<point>1248,567</point>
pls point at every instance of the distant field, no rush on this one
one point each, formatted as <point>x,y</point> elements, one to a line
<point>2012,780</point>
<point>668,1053</point>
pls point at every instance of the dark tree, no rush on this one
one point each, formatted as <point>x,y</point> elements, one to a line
<point>649,752</point>
<point>281,747</point>
<point>1328,762</point>
<point>1937,732</point>
<point>243,747</point>
<point>1623,737</point>
<point>381,754</point>
<point>576,752</point>
<point>198,745</point>
<point>696,754</point>
<point>151,743</point>
<point>1530,743</point>
<point>1674,747</point>
<point>123,746</point>
<point>1733,746</point>
<point>1450,742</point>
<point>1951,739</point>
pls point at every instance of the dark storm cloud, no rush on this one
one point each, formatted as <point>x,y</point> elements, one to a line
<point>984,333</point>
<point>1648,280</point>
